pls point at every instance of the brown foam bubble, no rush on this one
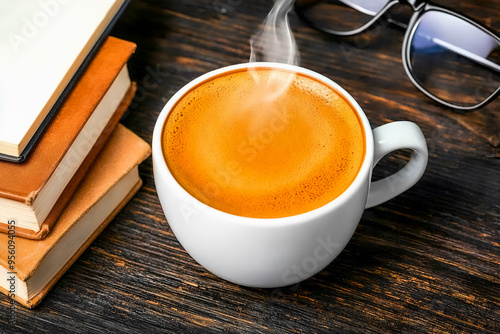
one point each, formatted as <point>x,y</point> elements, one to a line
<point>261,157</point>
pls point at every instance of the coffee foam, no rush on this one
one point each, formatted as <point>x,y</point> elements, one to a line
<point>263,158</point>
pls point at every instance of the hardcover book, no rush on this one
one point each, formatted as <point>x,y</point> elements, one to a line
<point>30,192</point>
<point>29,268</point>
<point>45,44</point>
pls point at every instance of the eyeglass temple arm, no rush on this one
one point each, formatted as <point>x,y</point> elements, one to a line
<point>372,13</point>
<point>465,53</point>
<point>401,25</point>
<point>358,7</point>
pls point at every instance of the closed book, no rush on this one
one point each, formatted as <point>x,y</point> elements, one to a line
<point>45,45</point>
<point>34,266</point>
<point>29,191</point>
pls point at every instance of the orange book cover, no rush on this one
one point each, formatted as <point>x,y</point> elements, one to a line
<point>23,182</point>
<point>36,265</point>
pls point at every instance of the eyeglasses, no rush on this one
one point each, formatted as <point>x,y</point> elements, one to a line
<point>449,57</point>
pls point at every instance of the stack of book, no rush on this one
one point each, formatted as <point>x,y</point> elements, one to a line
<point>67,167</point>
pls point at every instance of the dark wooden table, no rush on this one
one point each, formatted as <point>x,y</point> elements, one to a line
<point>426,261</point>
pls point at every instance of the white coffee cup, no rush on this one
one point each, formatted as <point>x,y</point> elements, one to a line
<point>277,252</point>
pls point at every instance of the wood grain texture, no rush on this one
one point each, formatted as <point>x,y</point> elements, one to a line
<point>426,261</point>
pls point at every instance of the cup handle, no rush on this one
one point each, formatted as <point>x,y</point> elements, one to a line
<point>391,137</point>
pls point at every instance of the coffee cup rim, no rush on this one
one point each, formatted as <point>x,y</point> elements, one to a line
<point>354,187</point>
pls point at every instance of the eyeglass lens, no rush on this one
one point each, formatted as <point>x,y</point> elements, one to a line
<point>454,60</point>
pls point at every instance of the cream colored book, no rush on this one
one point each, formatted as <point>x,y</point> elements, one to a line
<point>42,43</point>
<point>29,268</point>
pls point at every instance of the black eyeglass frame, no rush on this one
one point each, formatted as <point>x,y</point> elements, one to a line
<point>420,7</point>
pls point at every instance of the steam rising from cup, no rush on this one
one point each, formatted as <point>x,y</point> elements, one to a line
<point>274,41</point>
